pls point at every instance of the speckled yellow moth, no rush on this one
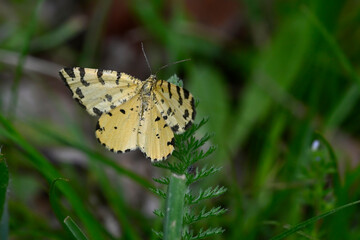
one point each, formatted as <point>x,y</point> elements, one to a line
<point>133,113</point>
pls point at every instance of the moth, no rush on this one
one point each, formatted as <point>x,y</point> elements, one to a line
<point>133,113</point>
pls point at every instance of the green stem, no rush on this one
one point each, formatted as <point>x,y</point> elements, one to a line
<point>174,207</point>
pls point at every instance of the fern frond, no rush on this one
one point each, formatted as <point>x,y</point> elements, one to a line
<point>215,211</point>
<point>162,180</point>
<point>158,192</point>
<point>210,192</point>
<point>188,235</point>
<point>202,173</point>
<point>159,234</point>
<point>159,213</point>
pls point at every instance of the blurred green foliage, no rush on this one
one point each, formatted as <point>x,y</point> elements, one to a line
<point>279,82</point>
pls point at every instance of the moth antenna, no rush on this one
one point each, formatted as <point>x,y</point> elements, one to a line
<point>147,61</point>
<point>169,64</point>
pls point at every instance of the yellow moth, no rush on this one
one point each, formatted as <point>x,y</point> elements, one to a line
<point>133,113</point>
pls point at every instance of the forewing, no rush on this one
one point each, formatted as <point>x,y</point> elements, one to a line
<point>176,105</point>
<point>155,138</point>
<point>117,130</point>
<point>100,91</point>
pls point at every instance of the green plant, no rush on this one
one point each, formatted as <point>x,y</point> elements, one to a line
<point>179,212</point>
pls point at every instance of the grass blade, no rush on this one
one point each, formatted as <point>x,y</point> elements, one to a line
<point>74,229</point>
<point>50,173</point>
<point>304,224</point>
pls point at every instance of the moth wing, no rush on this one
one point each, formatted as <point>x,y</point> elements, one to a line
<point>155,138</point>
<point>100,91</point>
<point>176,105</point>
<point>117,130</point>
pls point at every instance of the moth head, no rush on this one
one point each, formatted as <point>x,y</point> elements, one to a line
<point>152,78</point>
<point>148,85</point>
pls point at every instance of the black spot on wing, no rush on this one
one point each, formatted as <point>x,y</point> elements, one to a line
<point>193,114</point>
<point>169,111</point>
<point>109,113</point>
<point>99,75</point>
<point>192,103</point>
<point>98,127</point>
<point>65,81</point>
<point>79,93</point>
<point>188,125</point>
<point>122,111</point>
<point>165,117</point>
<point>186,114</point>
<point>97,111</point>
<point>172,142</point>
<point>82,75</point>
<point>165,125</point>
<point>157,119</point>
<point>127,150</point>
<point>62,76</point>
<point>178,90</point>
<point>175,128</point>
<point>186,94</point>
<point>108,97</point>
<point>118,76</point>
<point>157,159</point>
<point>112,106</point>
<point>169,89</point>
<point>70,72</point>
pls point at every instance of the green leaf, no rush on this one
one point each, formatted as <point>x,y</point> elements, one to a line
<point>159,213</point>
<point>210,192</point>
<point>158,192</point>
<point>54,200</point>
<point>74,229</point>
<point>162,180</point>
<point>200,174</point>
<point>174,79</point>
<point>188,235</point>
<point>215,211</point>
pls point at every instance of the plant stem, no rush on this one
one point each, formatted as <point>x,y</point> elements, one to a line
<point>174,207</point>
